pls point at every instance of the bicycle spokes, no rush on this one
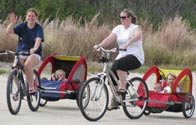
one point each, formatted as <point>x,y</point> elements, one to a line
<point>135,101</point>
<point>93,108</point>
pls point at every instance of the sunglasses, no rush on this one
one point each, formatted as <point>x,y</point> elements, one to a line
<point>123,17</point>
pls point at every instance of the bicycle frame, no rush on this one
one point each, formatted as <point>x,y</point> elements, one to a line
<point>19,68</point>
<point>107,74</point>
<point>21,89</point>
<point>97,93</point>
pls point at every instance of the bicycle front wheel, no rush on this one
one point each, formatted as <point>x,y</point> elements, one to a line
<point>136,99</point>
<point>93,99</point>
<point>34,99</point>
<point>13,93</point>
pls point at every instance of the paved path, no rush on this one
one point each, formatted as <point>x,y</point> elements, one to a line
<point>67,112</point>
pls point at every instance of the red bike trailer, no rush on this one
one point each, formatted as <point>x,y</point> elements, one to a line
<point>75,68</point>
<point>182,101</point>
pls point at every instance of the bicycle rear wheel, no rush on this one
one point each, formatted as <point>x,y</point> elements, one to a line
<point>34,99</point>
<point>93,99</point>
<point>136,99</point>
<point>13,93</point>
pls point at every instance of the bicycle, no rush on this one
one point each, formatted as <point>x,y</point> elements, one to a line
<point>17,86</point>
<point>93,96</point>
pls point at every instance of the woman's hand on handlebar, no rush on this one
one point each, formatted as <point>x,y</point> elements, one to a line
<point>32,50</point>
<point>96,47</point>
<point>121,49</point>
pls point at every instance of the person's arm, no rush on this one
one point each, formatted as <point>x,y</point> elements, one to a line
<point>13,20</point>
<point>107,41</point>
<point>36,46</point>
<point>53,77</point>
<point>136,37</point>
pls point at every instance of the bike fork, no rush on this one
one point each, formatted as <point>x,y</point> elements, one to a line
<point>22,87</point>
<point>98,90</point>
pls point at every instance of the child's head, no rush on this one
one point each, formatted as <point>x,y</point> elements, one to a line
<point>157,87</point>
<point>170,78</point>
<point>60,74</point>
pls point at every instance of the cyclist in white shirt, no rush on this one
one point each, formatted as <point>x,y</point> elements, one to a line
<point>128,36</point>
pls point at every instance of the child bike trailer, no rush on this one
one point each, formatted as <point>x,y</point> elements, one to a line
<point>176,101</point>
<point>75,68</point>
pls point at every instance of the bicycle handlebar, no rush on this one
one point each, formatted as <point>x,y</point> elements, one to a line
<point>106,53</point>
<point>2,52</point>
<point>111,50</point>
<point>5,52</point>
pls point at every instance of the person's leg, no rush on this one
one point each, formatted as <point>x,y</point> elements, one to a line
<point>113,104</point>
<point>122,77</point>
<point>114,70</point>
<point>31,61</point>
<point>120,68</point>
<point>125,64</point>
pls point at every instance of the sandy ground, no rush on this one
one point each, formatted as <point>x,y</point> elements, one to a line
<point>66,112</point>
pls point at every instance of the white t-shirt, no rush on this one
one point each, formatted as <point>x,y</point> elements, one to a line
<point>123,35</point>
<point>168,89</point>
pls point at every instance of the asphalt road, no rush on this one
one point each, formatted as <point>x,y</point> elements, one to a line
<point>66,112</point>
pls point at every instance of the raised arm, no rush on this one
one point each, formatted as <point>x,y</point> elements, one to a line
<point>13,19</point>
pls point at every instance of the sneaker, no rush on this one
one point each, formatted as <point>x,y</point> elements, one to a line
<point>31,91</point>
<point>122,92</point>
<point>113,105</point>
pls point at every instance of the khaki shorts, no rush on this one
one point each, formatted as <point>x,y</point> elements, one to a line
<point>25,57</point>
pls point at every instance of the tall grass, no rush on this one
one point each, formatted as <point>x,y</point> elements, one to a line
<point>173,43</point>
<point>176,34</point>
<point>71,38</point>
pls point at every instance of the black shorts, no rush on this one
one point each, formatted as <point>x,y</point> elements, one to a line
<point>129,62</point>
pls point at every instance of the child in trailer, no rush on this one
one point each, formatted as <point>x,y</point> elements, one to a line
<point>59,75</point>
<point>170,81</point>
<point>158,87</point>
